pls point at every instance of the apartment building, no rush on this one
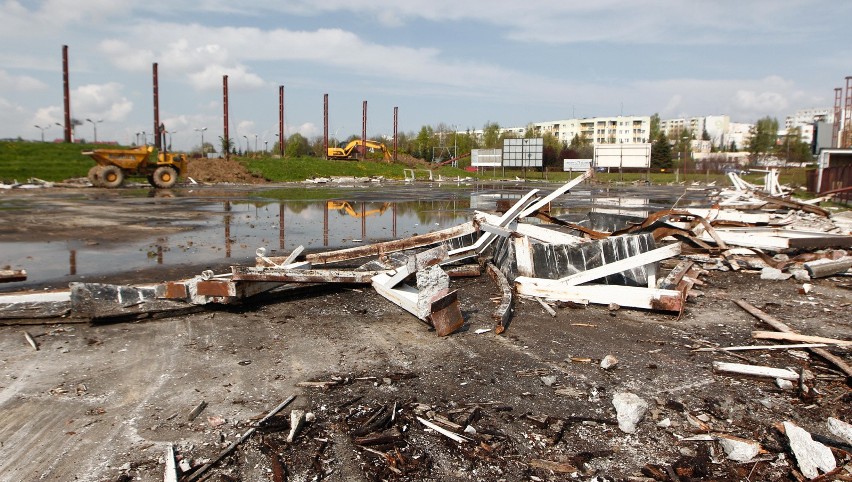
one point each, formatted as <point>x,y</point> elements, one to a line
<point>805,119</point>
<point>598,130</point>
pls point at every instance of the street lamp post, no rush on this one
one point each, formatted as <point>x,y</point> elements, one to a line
<point>42,129</point>
<point>144,138</point>
<point>247,144</point>
<point>265,147</point>
<point>255,143</point>
<point>201,130</point>
<point>95,127</point>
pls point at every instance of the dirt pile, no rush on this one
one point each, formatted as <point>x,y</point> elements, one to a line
<point>221,170</point>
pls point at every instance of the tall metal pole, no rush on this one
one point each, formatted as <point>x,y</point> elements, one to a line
<point>395,125</point>
<point>364,132</point>
<point>157,140</point>
<point>838,113</point>
<point>227,135</point>
<point>66,93</point>
<point>325,125</point>
<point>281,120</point>
<point>847,117</point>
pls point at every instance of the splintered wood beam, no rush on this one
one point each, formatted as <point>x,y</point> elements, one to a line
<point>555,194</point>
<point>774,335</point>
<point>402,295</point>
<point>547,235</point>
<point>782,327</point>
<point>626,296</point>
<point>11,275</point>
<point>755,370</point>
<point>247,273</point>
<point>624,264</point>
<point>504,310</point>
<point>524,256</point>
<point>377,249</point>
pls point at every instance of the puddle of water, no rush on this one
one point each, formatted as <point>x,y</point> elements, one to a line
<point>231,230</point>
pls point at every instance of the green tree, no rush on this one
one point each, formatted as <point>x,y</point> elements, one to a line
<point>762,141</point>
<point>424,143</point>
<point>661,152</point>
<point>654,131</point>
<point>792,149</point>
<point>297,146</point>
<point>705,136</point>
<point>491,136</point>
<point>582,147</point>
<point>227,145</point>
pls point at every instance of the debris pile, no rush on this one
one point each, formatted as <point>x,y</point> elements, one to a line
<point>660,263</point>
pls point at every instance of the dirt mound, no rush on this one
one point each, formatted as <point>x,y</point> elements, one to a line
<point>221,170</point>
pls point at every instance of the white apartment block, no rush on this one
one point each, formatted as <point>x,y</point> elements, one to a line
<point>804,120</point>
<point>598,130</point>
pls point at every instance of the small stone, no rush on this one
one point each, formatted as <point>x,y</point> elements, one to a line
<point>665,423</point>
<point>386,381</point>
<point>548,380</point>
<point>310,417</point>
<point>608,362</point>
<point>469,429</point>
<point>800,274</point>
<point>811,456</point>
<point>784,384</point>
<point>841,429</point>
<point>770,273</point>
<point>629,409</point>
<point>739,449</point>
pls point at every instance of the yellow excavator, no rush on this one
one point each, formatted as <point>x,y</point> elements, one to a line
<point>347,208</point>
<point>350,150</point>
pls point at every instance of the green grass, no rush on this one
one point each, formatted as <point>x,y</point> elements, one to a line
<point>20,160</point>
<point>43,160</point>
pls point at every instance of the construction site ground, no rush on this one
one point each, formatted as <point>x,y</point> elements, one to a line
<point>100,402</point>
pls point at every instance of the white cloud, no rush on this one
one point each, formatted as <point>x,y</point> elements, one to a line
<point>100,101</point>
<point>22,83</point>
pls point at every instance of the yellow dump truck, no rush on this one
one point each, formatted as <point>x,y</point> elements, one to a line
<point>114,165</point>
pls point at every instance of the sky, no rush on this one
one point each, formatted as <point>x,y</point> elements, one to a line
<point>459,63</point>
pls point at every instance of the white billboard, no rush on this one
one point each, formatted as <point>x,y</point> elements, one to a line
<point>628,156</point>
<point>576,164</point>
<point>486,157</point>
<point>523,152</point>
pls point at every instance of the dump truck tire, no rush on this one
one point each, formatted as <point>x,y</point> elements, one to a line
<point>165,177</point>
<point>94,176</point>
<point>111,176</point>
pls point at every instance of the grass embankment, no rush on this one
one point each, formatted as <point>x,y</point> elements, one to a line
<point>43,160</point>
<point>59,161</point>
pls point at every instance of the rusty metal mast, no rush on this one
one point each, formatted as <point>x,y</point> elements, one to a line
<point>226,144</point>
<point>281,120</point>
<point>846,138</point>
<point>325,125</point>
<point>395,126</point>
<point>364,132</point>
<point>66,93</point>
<point>156,108</point>
<point>838,113</point>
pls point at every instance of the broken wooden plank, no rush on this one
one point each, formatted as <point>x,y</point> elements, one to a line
<point>102,301</point>
<point>777,239</point>
<point>415,263</point>
<point>774,335</point>
<point>782,327</point>
<point>401,295</point>
<point>504,310</point>
<point>204,468</point>
<point>798,346</point>
<point>470,270</point>
<point>279,275</point>
<point>31,306</point>
<point>625,296</point>
<point>790,203</point>
<point>170,474</point>
<point>546,307</point>
<point>555,194</point>
<point>523,256</point>
<point>755,370</point>
<point>624,264</point>
<point>446,316</point>
<point>446,433</point>
<point>548,235</point>
<point>377,249</point>
<point>674,277</point>
<point>11,275</point>
<point>31,340</point>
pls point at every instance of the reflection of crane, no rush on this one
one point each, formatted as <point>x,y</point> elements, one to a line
<point>345,207</point>
<point>349,150</point>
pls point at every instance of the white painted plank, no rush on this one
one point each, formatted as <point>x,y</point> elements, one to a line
<point>755,370</point>
<point>555,194</point>
<point>549,235</point>
<point>626,296</point>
